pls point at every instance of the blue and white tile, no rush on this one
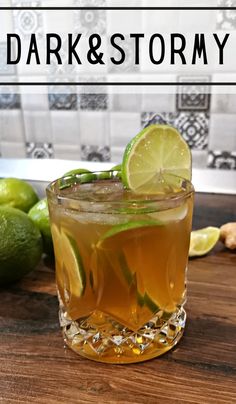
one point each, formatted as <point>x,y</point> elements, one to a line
<point>193,97</point>
<point>11,126</point>
<point>160,117</point>
<point>93,101</point>
<point>194,127</point>
<point>9,98</point>
<point>5,69</point>
<point>39,150</point>
<point>62,98</point>
<point>90,21</point>
<point>28,21</point>
<point>92,97</point>
<point>95,153</point>
<point>225,160</point>
<point>226,19</point>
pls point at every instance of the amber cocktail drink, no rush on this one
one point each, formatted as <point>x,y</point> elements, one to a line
<point>121,261</point>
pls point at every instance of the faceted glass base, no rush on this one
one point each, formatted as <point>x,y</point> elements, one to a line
<point>101,338</point>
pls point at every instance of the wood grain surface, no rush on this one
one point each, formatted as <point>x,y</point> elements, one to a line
<point>35,367</point>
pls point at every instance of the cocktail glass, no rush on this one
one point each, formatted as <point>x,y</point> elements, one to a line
<point>121,261</point>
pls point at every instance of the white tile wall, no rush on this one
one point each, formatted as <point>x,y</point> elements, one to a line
<point>37,126</point>
<point>117,154</point>
<point>65,128</point>
<point>94,128</point>
<point>159,102</point>
<point>63,151</point>
<point>118,22</point>
<point>126,102</point>
<point>222,132</point>
<point>123,127</point>
<point>224,104</point>
<point>13,150</point>
<point>199,158</point>
<point>35,102</point>
<point>11,126</point>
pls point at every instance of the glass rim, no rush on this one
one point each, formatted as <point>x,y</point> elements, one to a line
<point>147,198</point>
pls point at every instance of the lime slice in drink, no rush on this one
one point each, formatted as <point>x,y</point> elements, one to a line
<point>73,264</point>
<point>203,240</point>
<point>146,301</point>
<point>128,226</point>
<point>126,271</point>
<point>155,159</point>
<point>152,306</point>
<point>56,236</point>
<point>171,215</point>
<point>115,239</point>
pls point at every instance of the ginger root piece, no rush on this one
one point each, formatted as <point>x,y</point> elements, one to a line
<point>228,235</point>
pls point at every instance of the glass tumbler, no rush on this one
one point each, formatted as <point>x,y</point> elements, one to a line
<point>121,261</point>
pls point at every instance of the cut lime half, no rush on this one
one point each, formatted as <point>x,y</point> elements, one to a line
<point>155,159</point>
<point>202,241</point>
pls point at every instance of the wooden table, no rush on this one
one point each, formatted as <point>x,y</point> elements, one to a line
<point>36,368</point>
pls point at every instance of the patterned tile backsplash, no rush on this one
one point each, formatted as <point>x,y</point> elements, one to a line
<point>96,124</point>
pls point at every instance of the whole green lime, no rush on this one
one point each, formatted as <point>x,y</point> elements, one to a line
<point>40,216</point>
<point>20,245</point>
<point>17,194</point>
